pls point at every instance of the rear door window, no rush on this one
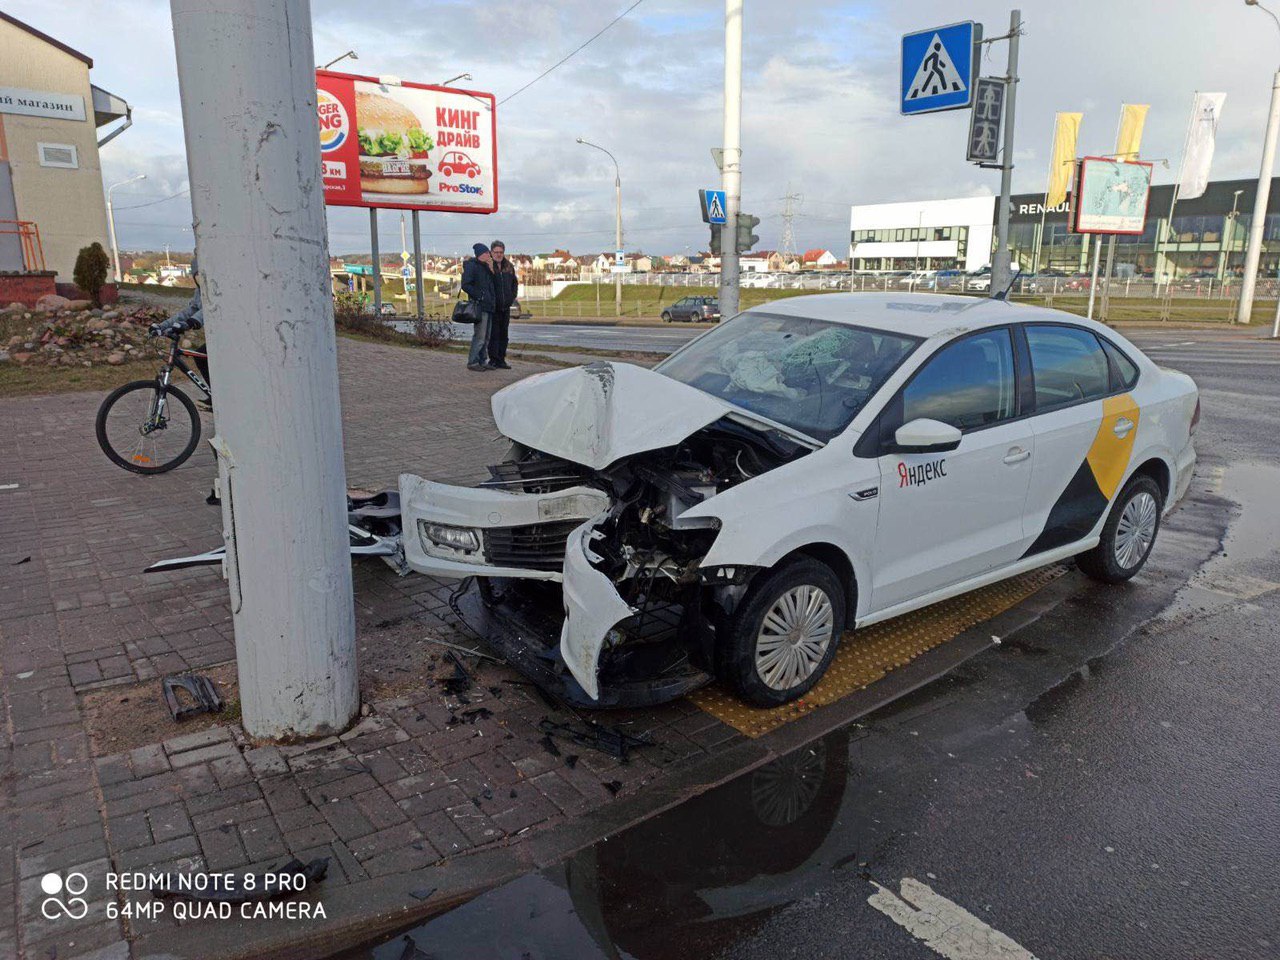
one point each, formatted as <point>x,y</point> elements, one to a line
<point>1068,366</point>
<point>1124,372</point>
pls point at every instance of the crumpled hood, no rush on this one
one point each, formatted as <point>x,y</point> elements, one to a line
<point>598,414</point>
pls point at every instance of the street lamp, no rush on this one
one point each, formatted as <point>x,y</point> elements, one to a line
<point>111,223</point>
<point>1253,253</point>
<point>617,186</point>
<point>461,76</point>
<point>349,53</point>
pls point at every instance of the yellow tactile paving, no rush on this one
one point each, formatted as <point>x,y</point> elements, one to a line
<point>866,655</point>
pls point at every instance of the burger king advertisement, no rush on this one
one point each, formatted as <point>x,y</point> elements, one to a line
<point>407,146</point>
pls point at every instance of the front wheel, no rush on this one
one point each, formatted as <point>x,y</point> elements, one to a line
<point>666,316</point>
<point>146,430</point>
<point>783,637</point>
<point>1128,535</point>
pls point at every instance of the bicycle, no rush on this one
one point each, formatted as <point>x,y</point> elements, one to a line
<point>135,424</point>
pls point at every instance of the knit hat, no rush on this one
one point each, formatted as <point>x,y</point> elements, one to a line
<point>479,249</point>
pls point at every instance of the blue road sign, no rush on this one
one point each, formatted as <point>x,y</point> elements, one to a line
<point>938,67</point>
<point>713,206</point>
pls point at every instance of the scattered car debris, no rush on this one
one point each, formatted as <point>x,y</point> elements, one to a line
<point>203,695</point>
<point>285,880</point>
<point>466,650</point>
<point>613,786</point>
<point>422,893</point>
<point>613,741</point>
<point>18,563</point>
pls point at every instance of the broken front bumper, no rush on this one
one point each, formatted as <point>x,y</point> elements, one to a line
<point>558,641</point>
<point>457,532</point>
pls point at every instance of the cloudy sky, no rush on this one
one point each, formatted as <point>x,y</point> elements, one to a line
<point>819,104</point>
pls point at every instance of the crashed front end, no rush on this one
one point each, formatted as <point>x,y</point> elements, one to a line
<point>591,579</point>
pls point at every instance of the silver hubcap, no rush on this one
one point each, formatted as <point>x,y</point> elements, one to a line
<point>1136,530</point>
<point>794,637</point>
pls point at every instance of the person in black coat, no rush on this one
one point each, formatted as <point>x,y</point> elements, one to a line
<point>507,286</point>
<point>479,283</point>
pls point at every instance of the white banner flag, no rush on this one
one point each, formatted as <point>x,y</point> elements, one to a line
<point>1198,157</point>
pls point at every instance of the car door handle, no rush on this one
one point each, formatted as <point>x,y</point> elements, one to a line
<point>1016,455</point>
<point>1122,427</point>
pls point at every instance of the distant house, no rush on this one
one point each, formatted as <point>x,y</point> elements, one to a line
<point>819,259</point>
<point>763,261</point>
<point>640,263</point>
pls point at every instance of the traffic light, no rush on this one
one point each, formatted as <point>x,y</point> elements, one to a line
<point>716,233</point>
<point>747,239</point>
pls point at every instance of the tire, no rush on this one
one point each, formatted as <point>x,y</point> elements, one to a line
<point>695,318</point>
<point>736,649</point>
<point>666,316</point>
<point>115,433</point>
<point>1128,535</point>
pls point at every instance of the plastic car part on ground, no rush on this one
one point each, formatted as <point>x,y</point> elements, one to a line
<point>203,695</point>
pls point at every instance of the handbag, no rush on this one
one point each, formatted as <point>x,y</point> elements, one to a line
<point>466,311</point>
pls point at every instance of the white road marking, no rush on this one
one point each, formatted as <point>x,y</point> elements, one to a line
<point>945,927</point>
<point>8,486</point>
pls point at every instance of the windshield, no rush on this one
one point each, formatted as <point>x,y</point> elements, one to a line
<point>811,375</point>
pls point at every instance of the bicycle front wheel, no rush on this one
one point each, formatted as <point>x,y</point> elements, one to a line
<point>146,430</point>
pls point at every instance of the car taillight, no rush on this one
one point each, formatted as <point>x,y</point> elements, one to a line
<point>1195,418</point>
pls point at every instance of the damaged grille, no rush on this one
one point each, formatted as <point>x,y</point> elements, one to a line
<point>541,475</point>
<point>538,546</point>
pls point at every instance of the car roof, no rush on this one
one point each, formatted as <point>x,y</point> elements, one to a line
<point>916,314</point>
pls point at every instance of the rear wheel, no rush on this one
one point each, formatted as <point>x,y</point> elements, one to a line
<point>783,637</point>
<point>1128,535</point>
<point>695,317</point>
<point>137,432</point>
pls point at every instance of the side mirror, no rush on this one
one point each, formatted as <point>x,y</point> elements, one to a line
<point>926,436</point>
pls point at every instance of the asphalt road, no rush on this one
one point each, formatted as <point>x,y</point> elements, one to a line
<point>1101,783</point>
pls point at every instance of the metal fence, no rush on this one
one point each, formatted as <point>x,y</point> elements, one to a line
<point>1131,298</point>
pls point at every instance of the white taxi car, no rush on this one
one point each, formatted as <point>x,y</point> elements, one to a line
<point>812,466</point>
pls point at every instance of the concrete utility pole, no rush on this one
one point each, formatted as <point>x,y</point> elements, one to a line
<point>1001,274</point>
<point>111,225</point>
<point>246,75</point>
<point>617,198</point>
<point>1253,251</point>
<point>731,164</point>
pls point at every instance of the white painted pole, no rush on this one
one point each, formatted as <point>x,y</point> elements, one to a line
<point>111,226</point>
<point>1001,271</point>
<point>731,175</point>
<point>1253,252</point>
<point>617,277</point>
<point>247,82</point>
<point>1093,282</point>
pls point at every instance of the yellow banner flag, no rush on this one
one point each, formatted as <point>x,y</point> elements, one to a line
<point>1129,138</point>
<point>1062,159</point>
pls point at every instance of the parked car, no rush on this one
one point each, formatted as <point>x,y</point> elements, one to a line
<point>920,280</point>
<point>519,313</point>
<point>692,310</point>
<point>812,466</point>
<point>979,280</point>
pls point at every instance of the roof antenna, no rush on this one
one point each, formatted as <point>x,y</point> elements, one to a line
<point>1004,294</point>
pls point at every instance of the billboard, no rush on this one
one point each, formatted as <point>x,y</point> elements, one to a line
<point>407,146</point>
<point>1111,196</point>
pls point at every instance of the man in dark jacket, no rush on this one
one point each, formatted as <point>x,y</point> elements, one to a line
<point>480,284</point>
<point>507,286</point>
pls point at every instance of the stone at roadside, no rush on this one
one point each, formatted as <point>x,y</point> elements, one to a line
<point>20,357</point>
<point>15,307</point>
<point>79,304</point>
<point>115,359</point>
<point>51,302</point>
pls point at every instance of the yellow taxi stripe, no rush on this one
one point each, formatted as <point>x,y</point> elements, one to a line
<point>1109,455</point>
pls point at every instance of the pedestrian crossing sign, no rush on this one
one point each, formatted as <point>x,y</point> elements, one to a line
<point>938,65</point>
<point>713,206</point>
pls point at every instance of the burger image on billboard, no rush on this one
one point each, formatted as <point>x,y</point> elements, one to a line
<point>393,146</point>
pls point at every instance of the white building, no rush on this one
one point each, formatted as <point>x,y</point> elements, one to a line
<point>951,234</point>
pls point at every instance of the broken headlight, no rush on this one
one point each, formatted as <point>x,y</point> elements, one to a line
<point>452,538</point>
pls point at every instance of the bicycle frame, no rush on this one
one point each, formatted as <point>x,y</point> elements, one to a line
<point>157,418</point>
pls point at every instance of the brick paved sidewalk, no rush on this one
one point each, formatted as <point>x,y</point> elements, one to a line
<point>424,778</point>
